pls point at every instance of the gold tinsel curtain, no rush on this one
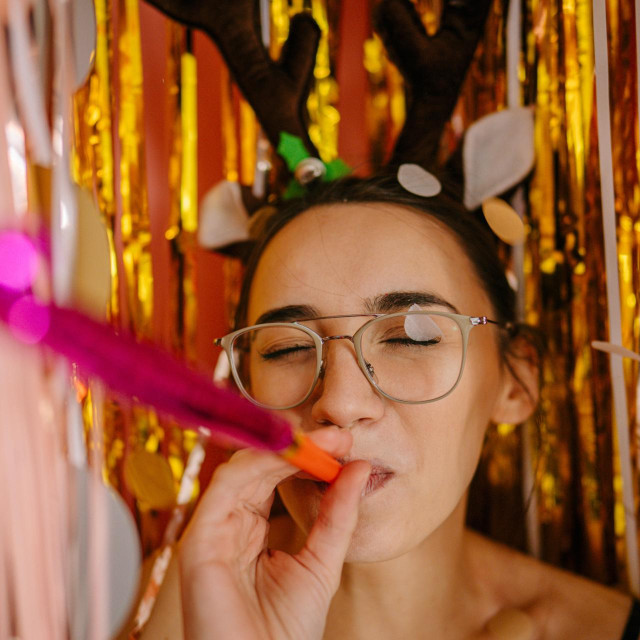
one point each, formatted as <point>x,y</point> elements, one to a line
<point>580,494</point>
<point>575,509</point>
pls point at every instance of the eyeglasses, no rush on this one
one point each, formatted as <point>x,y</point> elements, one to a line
<point>412,357</point>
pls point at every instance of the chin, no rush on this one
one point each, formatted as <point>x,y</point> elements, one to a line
<point>383,532</point>
<point>374,543</point>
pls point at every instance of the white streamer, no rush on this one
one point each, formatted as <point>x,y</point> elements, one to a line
<point>26,76</point>
<point>613,286</point>
<point>530,496</point>
<point>64,215</point>
<point>263,164</point>
<point>6,191</point>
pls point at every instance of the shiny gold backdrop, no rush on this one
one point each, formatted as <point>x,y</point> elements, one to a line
<point>580,510</point>
<point>565,297</point>
<point>578,513</point>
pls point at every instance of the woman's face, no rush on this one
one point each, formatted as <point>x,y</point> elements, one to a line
<point>337,260</point>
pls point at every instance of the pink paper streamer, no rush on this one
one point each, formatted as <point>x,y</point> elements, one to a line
<point>149,375</point>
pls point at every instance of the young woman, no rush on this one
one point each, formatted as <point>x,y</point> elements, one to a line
<point>416,352</point>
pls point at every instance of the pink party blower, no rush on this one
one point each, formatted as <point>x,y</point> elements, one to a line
<point>153,377</point>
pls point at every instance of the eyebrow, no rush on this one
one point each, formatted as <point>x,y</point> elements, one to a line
<point>288,314</point>
<point>383,303</point>
<point>401,300</point>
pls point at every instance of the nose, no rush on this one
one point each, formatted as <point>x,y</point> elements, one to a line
<point>343,396</point>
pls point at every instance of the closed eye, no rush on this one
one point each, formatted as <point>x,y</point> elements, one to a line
<point>408,342</point>
<point>288,351</point>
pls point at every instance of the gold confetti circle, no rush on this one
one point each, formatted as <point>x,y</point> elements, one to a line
<point>149,478</point>
<point>503,220</point>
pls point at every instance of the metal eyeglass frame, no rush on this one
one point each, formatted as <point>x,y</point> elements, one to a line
<point>465,323</point>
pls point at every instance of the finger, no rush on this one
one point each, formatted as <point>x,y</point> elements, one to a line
<point>251,476</point>
<point>230,522</point>
<point>330,536</point>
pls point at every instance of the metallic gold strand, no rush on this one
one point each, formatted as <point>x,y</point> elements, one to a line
<point>134,224</point>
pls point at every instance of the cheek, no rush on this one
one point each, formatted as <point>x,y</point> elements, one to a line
<point>446,450</point>
<point>300,418</point>
<point>470,409</point>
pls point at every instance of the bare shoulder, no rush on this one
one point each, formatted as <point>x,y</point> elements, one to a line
<point>561,604</point>
<point>578,607</point>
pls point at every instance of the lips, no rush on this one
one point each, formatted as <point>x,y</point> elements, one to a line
<point>379,476</point>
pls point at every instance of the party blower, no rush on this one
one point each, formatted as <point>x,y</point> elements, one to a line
<point>153,377</point>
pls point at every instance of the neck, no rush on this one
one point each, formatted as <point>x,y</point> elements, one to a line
<point>431,586</point>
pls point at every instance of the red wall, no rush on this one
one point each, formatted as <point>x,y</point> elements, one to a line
<point>353,148</point>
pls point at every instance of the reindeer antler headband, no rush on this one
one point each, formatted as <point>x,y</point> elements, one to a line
<point>433,67</point>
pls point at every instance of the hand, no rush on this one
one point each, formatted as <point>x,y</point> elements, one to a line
<point>232,585</point>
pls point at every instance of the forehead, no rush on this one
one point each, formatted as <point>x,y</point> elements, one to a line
<point>336,257</point>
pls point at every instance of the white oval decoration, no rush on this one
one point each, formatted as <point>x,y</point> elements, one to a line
<point>418,181</point>
<point>123,560</point>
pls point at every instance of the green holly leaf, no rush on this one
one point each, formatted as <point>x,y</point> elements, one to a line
<point>336,169</point>
<point>292,149</point>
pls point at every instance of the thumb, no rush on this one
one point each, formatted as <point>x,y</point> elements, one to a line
<point>329,539</point>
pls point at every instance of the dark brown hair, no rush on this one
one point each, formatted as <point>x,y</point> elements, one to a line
<point>477,241</point>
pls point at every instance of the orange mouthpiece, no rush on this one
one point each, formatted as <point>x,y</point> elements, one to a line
<point>305,455</point>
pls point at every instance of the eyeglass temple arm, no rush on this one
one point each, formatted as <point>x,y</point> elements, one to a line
<point>510,327</point>
<point>479,320</point>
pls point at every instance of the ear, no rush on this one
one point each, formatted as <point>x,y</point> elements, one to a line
<point>520,387</point>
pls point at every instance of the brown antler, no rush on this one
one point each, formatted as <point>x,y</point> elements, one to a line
<point>433,67</point>
<point>277,91</point>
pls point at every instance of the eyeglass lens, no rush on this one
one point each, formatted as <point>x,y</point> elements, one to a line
<point>414,357</point>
